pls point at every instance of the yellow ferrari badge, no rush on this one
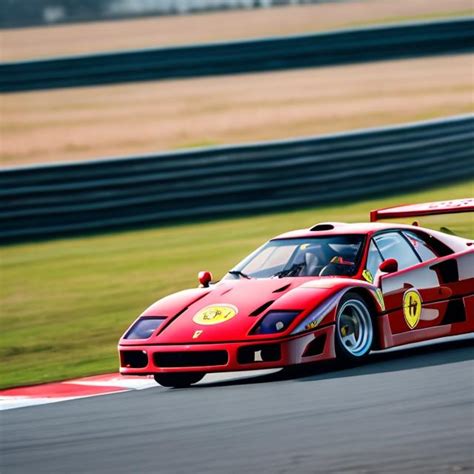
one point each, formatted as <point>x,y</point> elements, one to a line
<point>412,308</point>
<point>379,296</point>
<point>368,276</point>
<point>215,314</point>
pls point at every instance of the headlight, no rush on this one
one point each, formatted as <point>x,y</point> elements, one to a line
<point>316,316</point>
<point>143,328</point>
<point>275,321</point>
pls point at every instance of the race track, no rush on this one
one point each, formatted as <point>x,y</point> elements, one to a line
<point>409,410</point>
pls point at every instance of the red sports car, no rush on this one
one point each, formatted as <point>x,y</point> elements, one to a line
<point>332,291</point>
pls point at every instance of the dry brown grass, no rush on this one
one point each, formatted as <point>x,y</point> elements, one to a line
<point>72,39</point>
<point>66,125</point>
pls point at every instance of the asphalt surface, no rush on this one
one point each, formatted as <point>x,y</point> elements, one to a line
<point>405,411</point>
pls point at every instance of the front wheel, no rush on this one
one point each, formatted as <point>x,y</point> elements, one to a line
<point>354,328</point>
<point>178,380</point>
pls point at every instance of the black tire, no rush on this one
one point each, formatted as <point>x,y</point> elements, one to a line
<point>355,334</point>
<point>179,380</point>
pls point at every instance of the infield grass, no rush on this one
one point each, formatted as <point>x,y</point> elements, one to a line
<point>65,303</point>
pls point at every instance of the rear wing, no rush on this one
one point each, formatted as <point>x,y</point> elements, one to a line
<point>425,209</point>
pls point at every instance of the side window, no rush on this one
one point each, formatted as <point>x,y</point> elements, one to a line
<point>393,245</point>
<point>420,246</point>
<point>374,259</point>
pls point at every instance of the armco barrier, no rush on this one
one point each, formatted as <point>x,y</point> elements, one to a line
<point>55,200</point>
<point>339,47</point>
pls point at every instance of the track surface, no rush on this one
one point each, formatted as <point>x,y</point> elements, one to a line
<point>408,410</point>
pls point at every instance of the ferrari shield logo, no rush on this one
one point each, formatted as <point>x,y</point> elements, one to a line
<point>368,276</point>
<point>412,308</point>
<point>379,296</point>
<point>215,314</point>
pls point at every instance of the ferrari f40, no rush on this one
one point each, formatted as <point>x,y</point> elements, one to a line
<point>334,290</point>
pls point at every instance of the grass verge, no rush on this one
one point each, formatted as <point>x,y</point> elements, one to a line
<point>65,303</point>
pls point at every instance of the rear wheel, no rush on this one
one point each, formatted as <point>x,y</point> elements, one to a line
<point>179,380</point>
<point>354,328</point>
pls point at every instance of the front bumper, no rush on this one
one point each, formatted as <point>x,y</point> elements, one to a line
<point>228,356</point>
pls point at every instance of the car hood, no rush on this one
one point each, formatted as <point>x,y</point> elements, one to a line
<point>241,302</point>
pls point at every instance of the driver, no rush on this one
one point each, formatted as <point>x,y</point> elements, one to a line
<point>315,258</point>
<point>339,265</point>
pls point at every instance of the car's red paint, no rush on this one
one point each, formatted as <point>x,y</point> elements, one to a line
<point>301,294</point>
<point>205,278</point>
<point>425,209</point>
<point>389,266</point>
<point>445,286</point>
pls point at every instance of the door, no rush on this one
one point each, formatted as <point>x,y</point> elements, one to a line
<point>413,299</point>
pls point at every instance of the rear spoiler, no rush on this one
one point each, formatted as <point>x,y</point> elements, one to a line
<point>425,209</point>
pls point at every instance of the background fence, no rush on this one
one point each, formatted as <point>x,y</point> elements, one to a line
<point>341,47</point>
<point>18,13</point>
<point>54,200</point>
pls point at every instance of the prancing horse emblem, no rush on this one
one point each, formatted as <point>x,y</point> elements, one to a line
<point>412,308</point>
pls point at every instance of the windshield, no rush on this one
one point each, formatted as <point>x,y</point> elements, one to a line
<point>320,256</point>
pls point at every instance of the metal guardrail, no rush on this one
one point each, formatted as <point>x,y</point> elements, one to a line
<point>322,49</point>
<point>56,200</point>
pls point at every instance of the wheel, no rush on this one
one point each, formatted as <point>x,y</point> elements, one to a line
<point>179,380</point>
<point>354,328</point>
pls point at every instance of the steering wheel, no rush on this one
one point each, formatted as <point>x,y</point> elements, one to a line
<point>340,268</point>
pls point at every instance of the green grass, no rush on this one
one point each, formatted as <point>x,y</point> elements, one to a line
<point>65,303</point>
<point>197,144</point>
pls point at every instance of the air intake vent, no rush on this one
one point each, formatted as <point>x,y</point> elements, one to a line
<point>190,358</point>
<point>321,227</point>
<point>260,353</point>
<point>447,271</point>
<point>133,359</point>
<point>455,312</point>
<point>262,308</point>
<point>315,347</point>
<point>283,288</point>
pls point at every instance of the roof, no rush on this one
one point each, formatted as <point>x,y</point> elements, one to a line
<point>457,244</point>
<point>341,228</point>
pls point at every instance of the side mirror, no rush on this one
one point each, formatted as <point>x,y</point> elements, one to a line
<point>204,279</point>
<point>389,266</point>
